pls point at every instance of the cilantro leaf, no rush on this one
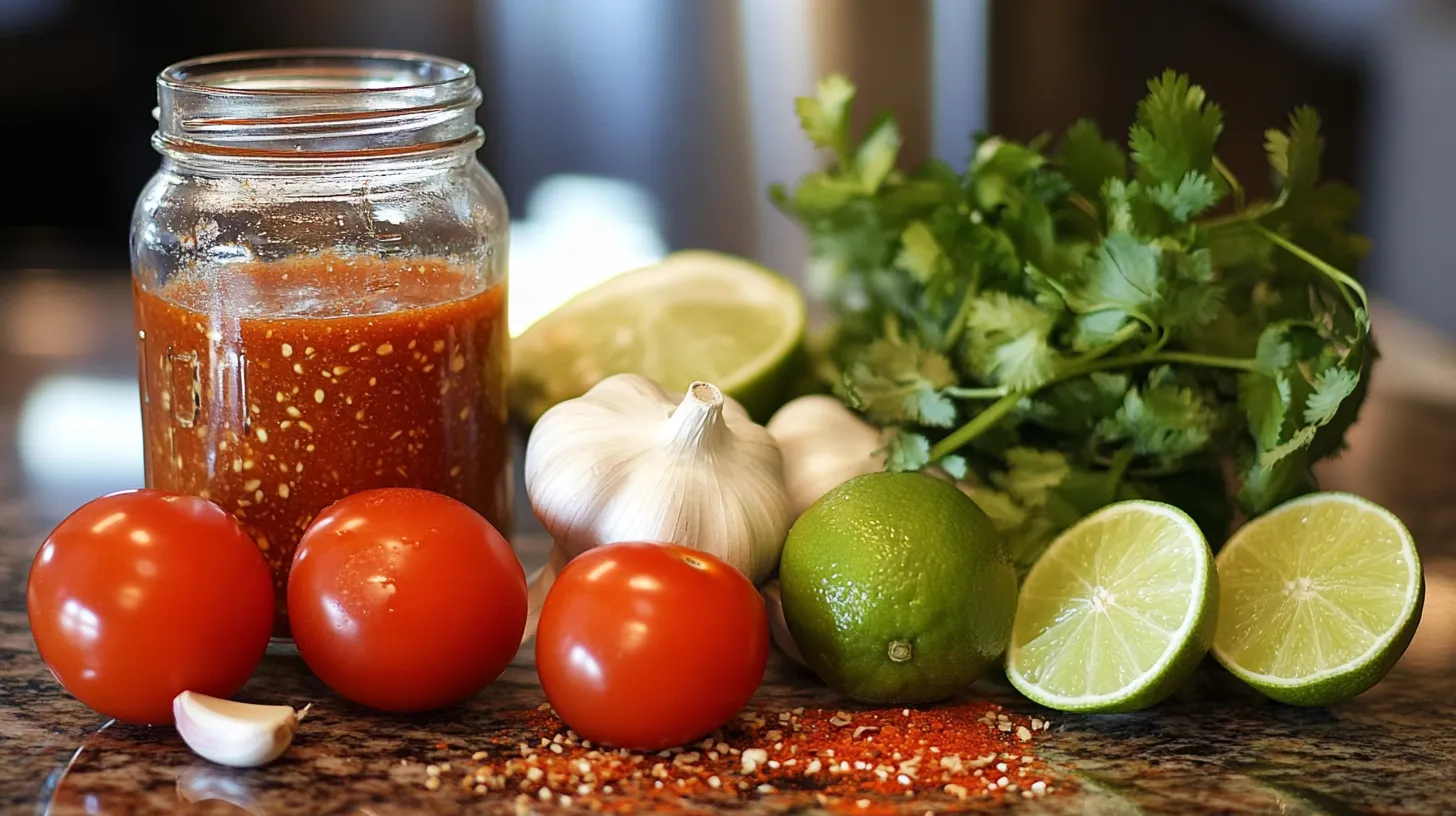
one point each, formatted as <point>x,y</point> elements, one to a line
<point>956,466</point>
<point>1008,341</point>
<point>1295,155</point>
<point>1088,160</point>
<point>825,116</point>
<point>1162,419</point>
<point>1123,275</point>
<point>895,380</point>
<point>1265,401</point>
<point>1032,474</point>
<point>906,451</point>
<point>876,155</point>
<point>919,254</point>
<point>1196,299</point>
<point>1175,130</point>
<point>1331,388</point>
<point>1191,196</point>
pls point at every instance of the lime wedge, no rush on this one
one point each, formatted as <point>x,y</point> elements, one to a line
<point>1319,598</point>
<point>1117,613</point>
<point>695,316</point>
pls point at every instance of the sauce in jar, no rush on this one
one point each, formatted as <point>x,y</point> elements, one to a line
<point>281,387</point>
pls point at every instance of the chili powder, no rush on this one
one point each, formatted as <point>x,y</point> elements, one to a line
<point>877,761</point>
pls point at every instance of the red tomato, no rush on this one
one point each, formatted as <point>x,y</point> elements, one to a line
<point>647,646</point>
<point>139,596</point>
<point>405,600</point>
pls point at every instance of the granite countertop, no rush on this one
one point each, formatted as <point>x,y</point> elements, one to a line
<point>1215,747</point>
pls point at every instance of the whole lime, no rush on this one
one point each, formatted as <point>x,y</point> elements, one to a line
<point>897,589</point>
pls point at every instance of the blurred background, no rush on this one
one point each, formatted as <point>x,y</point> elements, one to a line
<point>623,129</point>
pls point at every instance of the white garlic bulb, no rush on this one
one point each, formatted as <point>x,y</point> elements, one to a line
<point>824,445</point>
<point>627,462</point>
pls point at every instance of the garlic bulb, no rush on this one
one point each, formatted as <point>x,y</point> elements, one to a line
<point>824,445</point>
<point>240,735</point>
<point>627,462</point>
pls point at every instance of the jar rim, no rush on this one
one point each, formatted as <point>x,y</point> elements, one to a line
<point>315,104</point>
<point>190,74</point>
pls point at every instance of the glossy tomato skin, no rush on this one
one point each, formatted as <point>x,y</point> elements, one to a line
<point>405,600</point>
<point>645,646</point>
<point>141,595</point>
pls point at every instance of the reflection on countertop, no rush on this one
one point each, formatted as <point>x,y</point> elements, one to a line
<point>68,421</point>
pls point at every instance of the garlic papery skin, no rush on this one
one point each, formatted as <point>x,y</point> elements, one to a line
<point>628,462</point>
<point>824,445</point>
<point>239,735</point>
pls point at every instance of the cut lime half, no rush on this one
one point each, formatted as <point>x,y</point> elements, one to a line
<point>1117,613</point>
<point>695,316</point>
<point>1319,598</point>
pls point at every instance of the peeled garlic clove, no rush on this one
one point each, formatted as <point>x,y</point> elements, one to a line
<point>240,735</point>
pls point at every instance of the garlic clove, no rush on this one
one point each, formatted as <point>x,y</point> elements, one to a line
<point>824,445</point>
<point>778,627</point>
<point>240,735</point>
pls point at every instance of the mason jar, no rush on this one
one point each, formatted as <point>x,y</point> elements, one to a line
<point>319,278</point>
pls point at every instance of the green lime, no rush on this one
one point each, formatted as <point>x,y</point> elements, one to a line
<point>694,316</point>
<point>1319,598</point>
<point>897,588</point>
<point>1117,613</point>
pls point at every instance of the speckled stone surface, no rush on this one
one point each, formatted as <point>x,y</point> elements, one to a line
<point>1216,747</point>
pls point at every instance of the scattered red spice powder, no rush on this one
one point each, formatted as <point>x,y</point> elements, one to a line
<point>878,761</point>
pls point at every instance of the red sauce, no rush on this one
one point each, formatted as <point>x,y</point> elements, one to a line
<point>279,388</point>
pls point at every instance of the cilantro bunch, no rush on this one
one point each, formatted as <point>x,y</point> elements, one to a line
<point>1069,323</point>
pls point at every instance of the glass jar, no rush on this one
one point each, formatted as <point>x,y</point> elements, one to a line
<point>319,277</point>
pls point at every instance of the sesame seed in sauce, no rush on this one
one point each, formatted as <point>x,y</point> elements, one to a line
<point>385,349</point>
<point>287,350</point>
<point>262,435</point>
<point>318,395</point>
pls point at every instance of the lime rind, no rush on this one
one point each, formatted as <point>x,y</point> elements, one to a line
<point>1351,676</point>
<point>1183,647</point>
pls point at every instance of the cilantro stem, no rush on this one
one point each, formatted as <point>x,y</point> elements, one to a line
<point>963,312</point>
<point>1345,283</point>
<point>996,411</point>
<point>978,425</point>
<point>1189,358</point>
<point>1233,183</point>
<point>975,393</point>
<point>1122,335</point>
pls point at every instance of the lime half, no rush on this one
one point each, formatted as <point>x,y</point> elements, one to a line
<point>1319,598</point>
<point>695,316</point>
<point>1117,613</point>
